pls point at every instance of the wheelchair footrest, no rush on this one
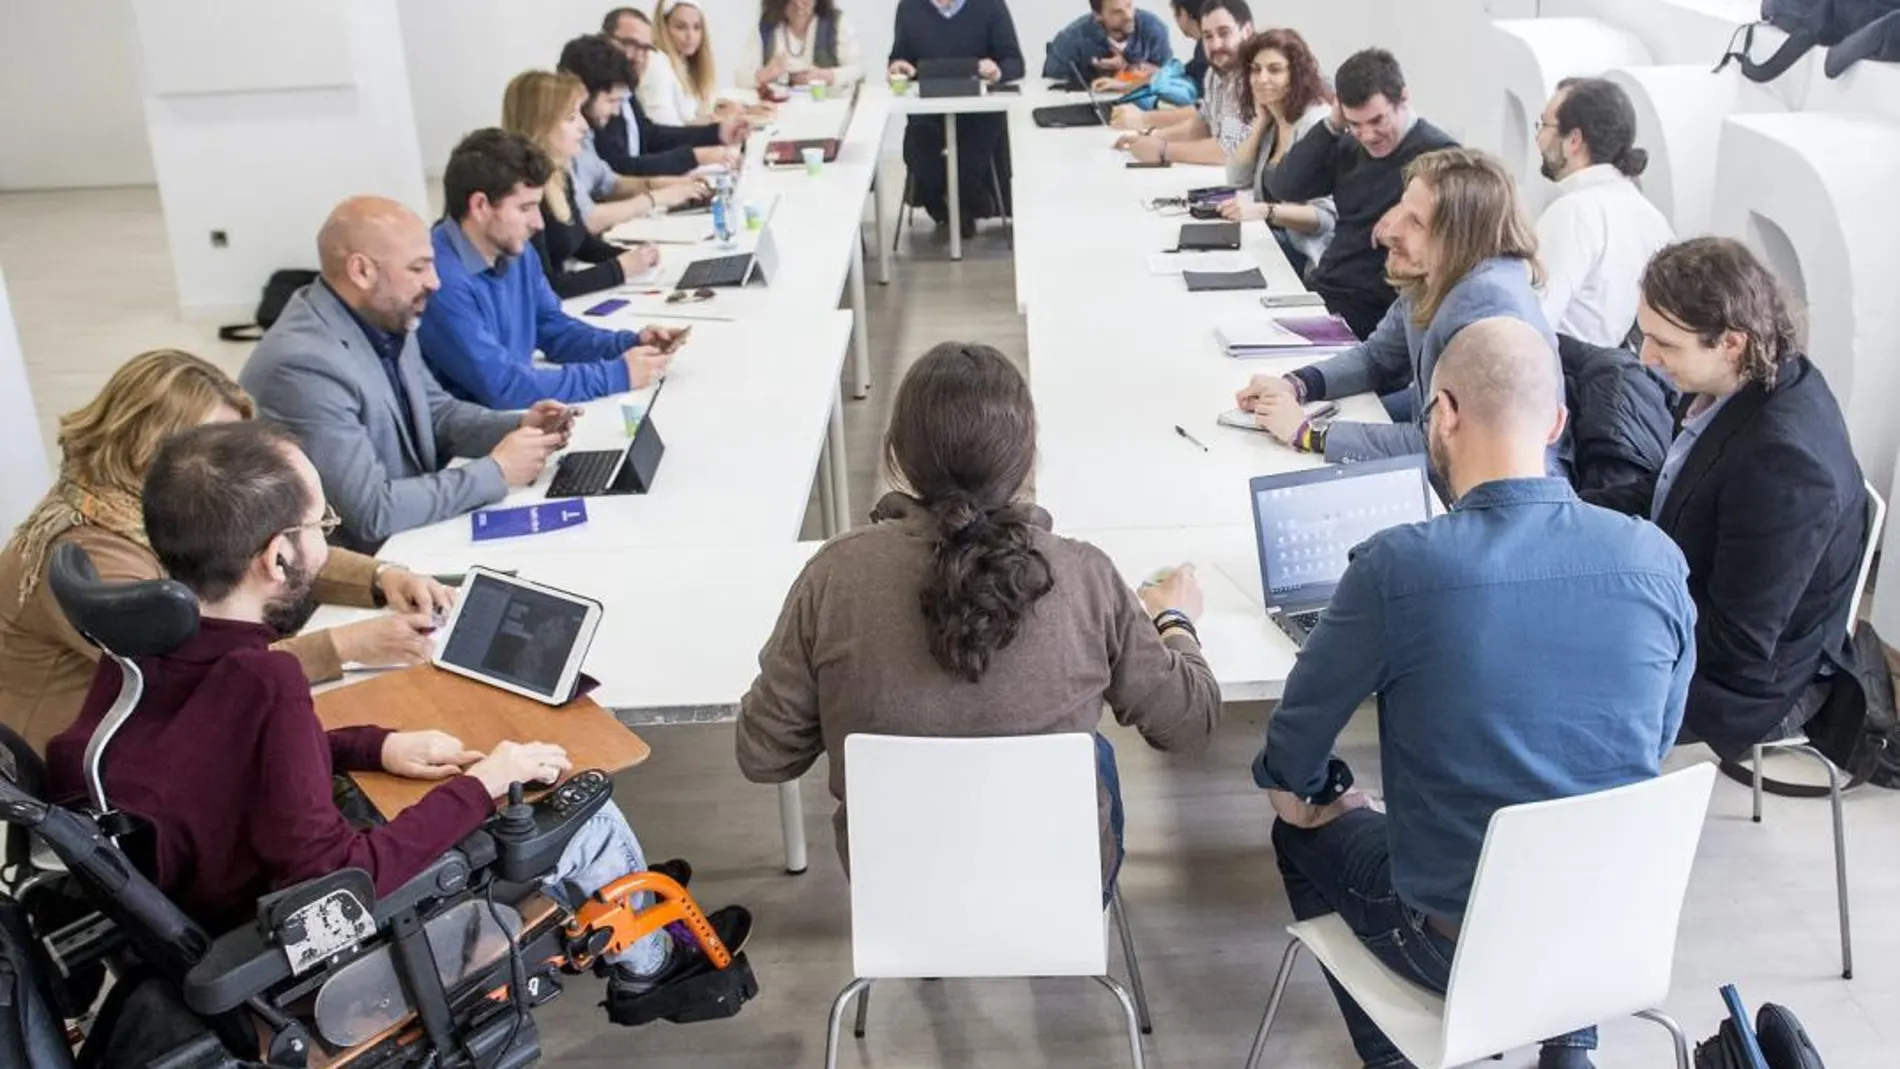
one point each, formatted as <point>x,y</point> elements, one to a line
<point>709,995</point>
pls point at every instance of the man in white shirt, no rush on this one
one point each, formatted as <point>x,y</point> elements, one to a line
<point>1598,235</point>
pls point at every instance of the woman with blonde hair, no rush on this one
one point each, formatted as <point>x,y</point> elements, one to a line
<point>106,448</point>
<point>684,88</point>
<point>545,107</point>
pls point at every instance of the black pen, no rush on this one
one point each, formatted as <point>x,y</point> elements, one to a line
<point>1182,431</point>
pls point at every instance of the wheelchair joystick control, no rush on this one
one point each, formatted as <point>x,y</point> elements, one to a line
<point>517,817</point>
<point>529,837</point>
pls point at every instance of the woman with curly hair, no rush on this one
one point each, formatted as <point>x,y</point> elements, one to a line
<point>1285,94</point>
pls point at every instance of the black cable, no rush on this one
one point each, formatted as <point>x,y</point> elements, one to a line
<point>518,975</point>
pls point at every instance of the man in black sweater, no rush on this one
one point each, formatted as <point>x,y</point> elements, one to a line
<point>635,145</point>
<point>1358,157</point>
<point>957,29</point>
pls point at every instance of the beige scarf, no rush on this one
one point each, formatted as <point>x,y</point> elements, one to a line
<point>66,506</point>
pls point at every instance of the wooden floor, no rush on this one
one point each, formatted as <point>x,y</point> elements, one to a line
<point>90,285</point>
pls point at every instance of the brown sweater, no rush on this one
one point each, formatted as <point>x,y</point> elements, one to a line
<point>45,666</point>
<point>850,654</point>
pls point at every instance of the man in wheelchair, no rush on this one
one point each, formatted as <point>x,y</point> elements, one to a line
<point>392,940</point>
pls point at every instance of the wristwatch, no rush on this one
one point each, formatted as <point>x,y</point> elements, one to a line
<point>1338,782</point>
<point>376,595</point>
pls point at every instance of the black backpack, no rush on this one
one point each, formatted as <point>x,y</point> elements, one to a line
<point>1784,1043</point>
<point>1852,30</point>
<point>283,285</point>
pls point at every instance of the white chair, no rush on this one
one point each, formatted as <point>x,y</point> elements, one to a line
<point>1798,743</point>
<point>977,857</point>
<point>1572,921</point>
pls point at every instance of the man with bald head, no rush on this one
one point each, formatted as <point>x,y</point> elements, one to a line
<point>1523,646</point>
<point>341,368</point>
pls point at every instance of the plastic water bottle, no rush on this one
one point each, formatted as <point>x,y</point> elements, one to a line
<point>722,210</point>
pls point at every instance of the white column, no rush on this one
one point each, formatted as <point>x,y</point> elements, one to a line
<point>24,472</point>
<point>263,114</point>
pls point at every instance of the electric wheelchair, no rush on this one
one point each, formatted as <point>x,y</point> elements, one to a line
<point>442,974</point>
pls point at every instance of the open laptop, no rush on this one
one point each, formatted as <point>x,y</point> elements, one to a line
<point>519,636</point>
<point>602,472</point>
<point>785,153</point>
<point>1306,524</point>
<point>1094,113</point>
<point>947,76</point>
<point>738,269</point>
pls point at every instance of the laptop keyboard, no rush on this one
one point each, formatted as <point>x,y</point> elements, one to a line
<point>1305,621</point>
<point>585,474</point>
<point>723,271</point>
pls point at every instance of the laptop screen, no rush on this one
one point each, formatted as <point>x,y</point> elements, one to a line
<point>1307,522</point>
<point>518,633</point>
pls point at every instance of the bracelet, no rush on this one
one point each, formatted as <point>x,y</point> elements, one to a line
<point>1175,620</point>
<point>376,595</point>
<point>1299,386</point>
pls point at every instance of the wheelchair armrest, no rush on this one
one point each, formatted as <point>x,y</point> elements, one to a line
<point>250,961</point>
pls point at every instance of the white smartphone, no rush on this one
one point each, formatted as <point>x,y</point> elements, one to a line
<point>1292,300</point>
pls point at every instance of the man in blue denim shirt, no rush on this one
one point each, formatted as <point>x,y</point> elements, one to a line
<point>1524,646</point>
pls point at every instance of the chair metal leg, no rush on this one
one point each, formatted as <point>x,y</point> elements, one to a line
<point>1273,1003</point>
<point>1759,753</point>
<point>836,1023</point>
<point>1840,854</point>
<point>1002,209</point>
<point>1675,1033</point>
<point>864,1012</point>
<point>1134,1021</point>
<point>904,211</point>
<point>1120,912</point>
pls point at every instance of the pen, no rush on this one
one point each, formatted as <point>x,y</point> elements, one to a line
<point>1182,431</point>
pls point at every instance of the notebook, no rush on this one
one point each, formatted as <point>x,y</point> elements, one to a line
<point>1258,336</point>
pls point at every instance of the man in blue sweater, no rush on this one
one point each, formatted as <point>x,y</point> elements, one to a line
<point>495,308</point>
<point>1524,646</point>
<point>1115,37</point>
<point>1461,250</point>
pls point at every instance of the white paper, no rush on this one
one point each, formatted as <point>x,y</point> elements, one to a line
<point>1173,263</point>
<point>1258,332</point>
<point>665,229</point>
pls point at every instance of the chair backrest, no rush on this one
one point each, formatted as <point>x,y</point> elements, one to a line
<point>1876,520</point>
<point>974,857</point>
<point>1573,912</point>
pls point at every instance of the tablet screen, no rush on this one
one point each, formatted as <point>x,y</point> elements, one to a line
<point>514,633</point>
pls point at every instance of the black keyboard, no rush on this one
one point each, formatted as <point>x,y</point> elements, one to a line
<point>586,474</point>
<point>1307,620</point>
<point>721,271</point>
<point>1060,115</point>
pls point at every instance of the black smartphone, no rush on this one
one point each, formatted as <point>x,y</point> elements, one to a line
<point>456,579</point>
<point>1146,165</point>
<point>678,340</point>
<point>1006,87</point>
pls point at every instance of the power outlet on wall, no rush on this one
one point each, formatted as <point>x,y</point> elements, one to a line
<point>219,239</point>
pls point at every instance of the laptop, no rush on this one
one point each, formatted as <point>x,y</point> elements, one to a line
<point>948,77</point>
<point>522,637</point>
<point>1094,113</point>
<point>781,153</point>
<point>1306,524</point>
<point>738,269</point>
<point>606,472</point>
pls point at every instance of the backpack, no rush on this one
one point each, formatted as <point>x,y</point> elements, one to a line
<point>1852,30</point>
<point>1784,1043</point>
<point>1170,86</point>
<point>282,286</point>
<point>1620,424</point>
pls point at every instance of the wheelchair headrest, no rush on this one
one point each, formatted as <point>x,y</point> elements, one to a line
<point>141,619</point>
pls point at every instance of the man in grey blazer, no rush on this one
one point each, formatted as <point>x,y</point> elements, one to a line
<point>342,370</point>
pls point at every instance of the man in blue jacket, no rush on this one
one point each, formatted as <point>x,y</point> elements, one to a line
<point>1115,37</point>
<point>495,308</point>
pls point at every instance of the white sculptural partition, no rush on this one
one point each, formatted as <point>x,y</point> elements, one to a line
<point>1528,58</point>
<point>1679,113</point>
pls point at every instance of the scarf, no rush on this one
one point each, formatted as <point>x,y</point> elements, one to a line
<point>66,506</point>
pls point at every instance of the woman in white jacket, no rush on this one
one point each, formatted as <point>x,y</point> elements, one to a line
<point>1287,96</point>
<point>800,42</point>
<point>680,86</point>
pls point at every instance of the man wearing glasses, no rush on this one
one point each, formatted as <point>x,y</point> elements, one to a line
<point>633,144</point>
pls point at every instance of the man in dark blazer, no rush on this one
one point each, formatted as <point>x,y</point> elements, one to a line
<point>340,368</point>
<point>631,143</point>
<point>1760,489</point>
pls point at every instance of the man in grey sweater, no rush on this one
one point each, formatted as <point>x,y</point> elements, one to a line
<point>341,369</point>
<point>1461,250</point>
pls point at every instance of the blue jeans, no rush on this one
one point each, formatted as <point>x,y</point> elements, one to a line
<point>1345,867</point>
<point>1111,777</point>
<point>602,851</point>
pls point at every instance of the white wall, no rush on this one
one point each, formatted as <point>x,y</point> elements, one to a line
<point>24,471</point>
<point>262,151</point>
<point>58,130</point>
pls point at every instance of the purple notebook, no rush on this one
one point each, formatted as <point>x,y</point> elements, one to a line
<point>1320,330</point>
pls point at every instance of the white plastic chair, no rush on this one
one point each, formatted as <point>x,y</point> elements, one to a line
<point>1572,920</point>
<point>1798,743</point>
<point>977,857</point>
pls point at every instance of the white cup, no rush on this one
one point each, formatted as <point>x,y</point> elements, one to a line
<point>814,160</point>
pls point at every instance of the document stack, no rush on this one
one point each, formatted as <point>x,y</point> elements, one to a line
<point>1311,336</point>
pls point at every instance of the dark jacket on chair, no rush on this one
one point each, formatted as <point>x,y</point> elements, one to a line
<point>1770,511</point>
<point>1620,424</point>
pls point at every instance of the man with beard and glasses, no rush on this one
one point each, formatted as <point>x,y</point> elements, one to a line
<point>1598,235</point>
<point>341,368</point>
<point>1524,646</point>
<point>1211,131</point>
<point>1460,250</point>
<point>225,758</point>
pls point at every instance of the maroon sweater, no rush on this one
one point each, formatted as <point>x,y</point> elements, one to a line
<point>226,759</point>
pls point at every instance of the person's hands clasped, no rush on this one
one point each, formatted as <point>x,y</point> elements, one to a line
<point>638,260</point>
<point>645,364</point>
<point>771,72</point>
<point>734,128</point>
<point>989,71</point>
<point>426,755</point>
<point>520,762</point>
<point>901,68</point>
<point>1303,814</point>
<point>1260,386</point>
<point>1177,589</point>
<point>524,453</point>
<point>1113,63</point>
<point>394,640</point>
<point>407,591</point>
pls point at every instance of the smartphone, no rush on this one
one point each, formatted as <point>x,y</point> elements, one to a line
<point>606,307</point>
<point>1292,300</point>
<point>1006,87</point>
<point>1144,165</point>
<point>455,579</point>
<point>678,340</point>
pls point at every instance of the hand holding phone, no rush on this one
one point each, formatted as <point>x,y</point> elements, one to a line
<point>678,339</point>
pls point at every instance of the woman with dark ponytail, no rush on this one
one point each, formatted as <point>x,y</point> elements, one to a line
<point>1596,237</point>
<point>958,613</point>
